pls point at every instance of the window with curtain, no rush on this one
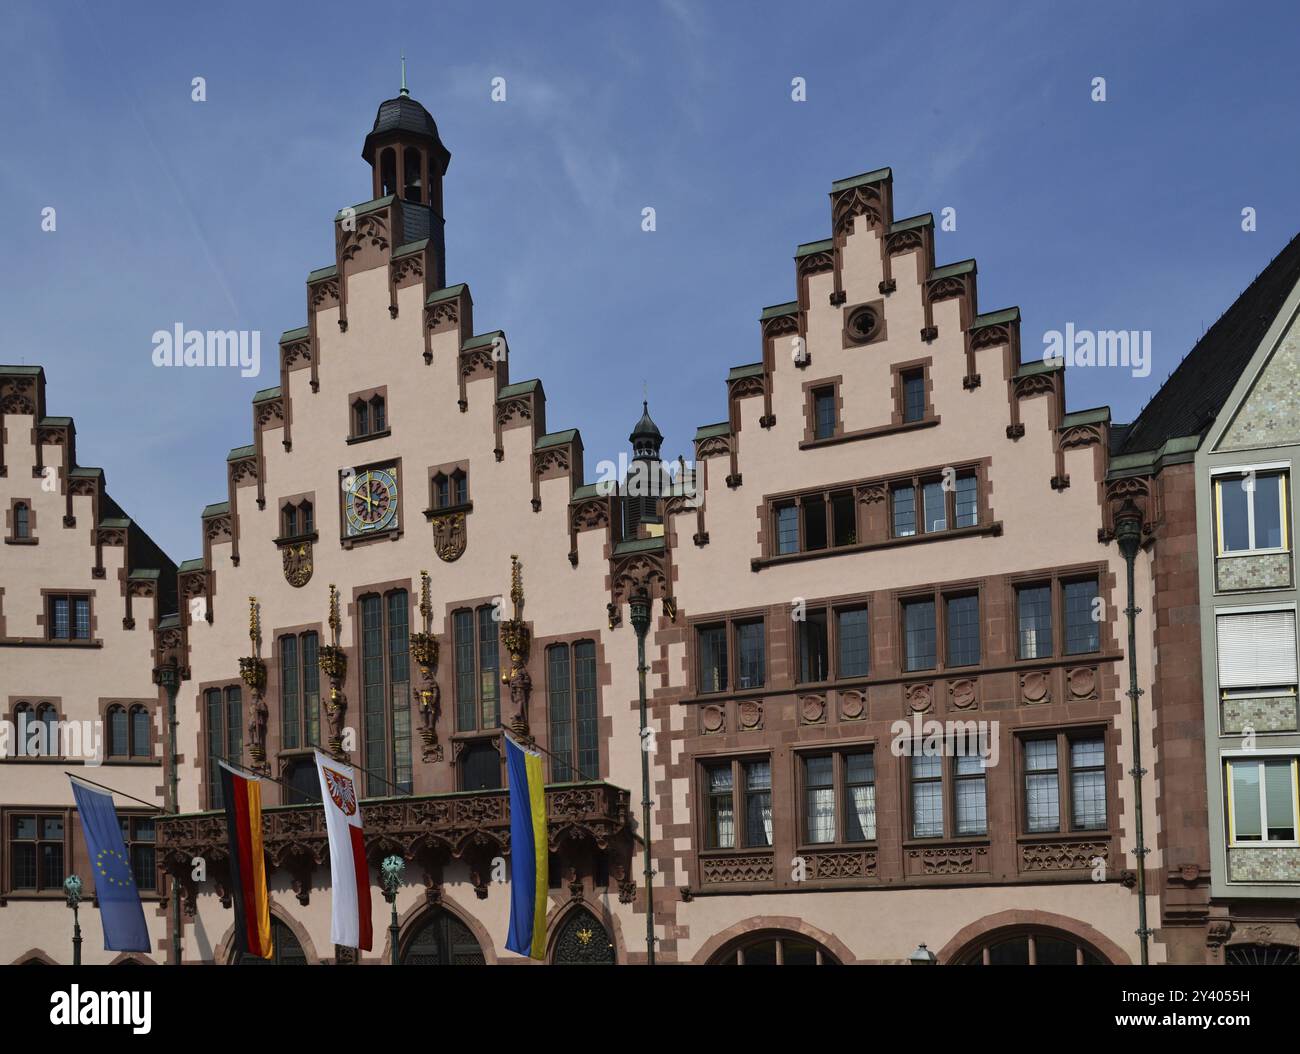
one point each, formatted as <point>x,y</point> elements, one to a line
<point>1042,790</point>
<point>758,803</point>
<point>386,692</point>
<point>1034,615</point>
<point>1261,798</point>
<point>1251,510</point>
<point>1257,649</point>
<point>860,796</point>
<point>819,799</point>
<point>573,710</point>
<point>478,682</point>
<point>1082,630</point>
<point>720,814</point>
<point>225,735</point>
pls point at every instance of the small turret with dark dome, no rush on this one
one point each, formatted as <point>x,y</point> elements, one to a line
<point>644,484</point>
<point>409,160</point>
<point>646,438</point>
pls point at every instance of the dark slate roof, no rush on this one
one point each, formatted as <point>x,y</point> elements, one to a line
<point>645,427</point>
<point>402,114</point>
<point>1188,402</point>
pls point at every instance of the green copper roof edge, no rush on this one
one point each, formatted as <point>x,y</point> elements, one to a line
<point>145,572</point>
<point>1036,366</point>
<point>1095,415</point>
<point>409,248</point>
<point>85,471</point>
<point>115,521</point>
<point>438,295</point>
<point>322,273</point>
<point>878,175</point>
<point>925,219</point>
<point>750,369</point>
<point>481,339</point>
<point>196,564</point>
<point>993,318</point>
<point>22,371</point>
<point>373,205</point>
<point>266,393</point>
<point>241,452</point>
<point>948,270</point>
<point>55,422</point>
<point>722,428</point>
<point>1173,451</point>
<point>556,438</point>
<point>639,545</point>
<point>216,509</point>
<point>779,310</point>
<point>294,334</point>
<point>518,388</point>
<point>808,248</point>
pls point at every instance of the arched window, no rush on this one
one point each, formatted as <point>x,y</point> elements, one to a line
<point>774,948</point>
<point>22,520</point>
<point>441,491</point>
<point>413,185</point>
<point>1262,955</point>
<point>387,172</point>
<point>460,487</point>
<point>117,746</point>
<point>1036,947</point>
<point>290,526</point>
<point>141,733</point>
<point>386,692</point>
<point>443,940</point>
<point>360,418</point>
<point>307,517</point>
<point>48,716</point>
<point>583,941</point>
<point>286,950</point>
<point>378,417</point>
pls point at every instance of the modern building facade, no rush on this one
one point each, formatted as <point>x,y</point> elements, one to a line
<point>82,591</point>
<point>909,627</point>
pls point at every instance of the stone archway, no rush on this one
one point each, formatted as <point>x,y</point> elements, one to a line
<point>1006,924</point>
<point>787,924</point>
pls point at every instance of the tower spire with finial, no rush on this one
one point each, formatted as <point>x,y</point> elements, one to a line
<point>404,88</point>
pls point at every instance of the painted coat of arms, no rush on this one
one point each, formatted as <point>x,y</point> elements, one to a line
<point>341,790</point>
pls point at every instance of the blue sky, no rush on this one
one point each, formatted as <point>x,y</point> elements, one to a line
<point>1117,215</point>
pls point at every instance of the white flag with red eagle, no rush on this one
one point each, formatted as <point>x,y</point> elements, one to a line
<point>350,874</point>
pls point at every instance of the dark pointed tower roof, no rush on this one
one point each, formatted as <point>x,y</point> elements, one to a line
<point>646,438</point>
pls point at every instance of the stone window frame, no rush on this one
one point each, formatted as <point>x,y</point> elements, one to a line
<point>383,592</point>
<point>11,523</point>
<point>939,595</point>
<point>898,372</point>
<point>918,480</point>
<point>210,777</point>
<point>109,704</point>
<point>729,621</point>
<point>368,396</point>
<point>46,621</point>
<point>7,813</point>
<point>1056,580</point>
<point>877,336</point>
<point>35,704</point>
<point>811,389</point>
<point>554,759</point>
<point>1283,468</point>
<point>948,779</point>
<point>297,502</point>
<point>449,470</point>
<point>831,608</point>
<point>1063,734</point>
<point>1226,758</point>
<point>836,750</point>
<point>737,759</point>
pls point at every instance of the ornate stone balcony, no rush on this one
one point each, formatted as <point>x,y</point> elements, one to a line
<point>584,821</point>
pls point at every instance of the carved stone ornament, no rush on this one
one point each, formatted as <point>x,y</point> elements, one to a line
<point>297,559</point>
<point>449,536</point>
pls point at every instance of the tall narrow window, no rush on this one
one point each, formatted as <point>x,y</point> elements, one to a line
<point>844,519</point>
<point>138,837</point>
<point>1042,791</point>
<point>758,803</point>
<point>478,698</point>
<point>852,632</point>
<point>290,524</point>
<point>360,418</point>
<point>819,799</point>
<point>22,521</point>
<point>573,711</point>
<point>712,643</point>
<point>860,799</point>
<point>1088,783</point>
<point>307,517</point>
<point>441,491</point>
<point>971,795</point>
<point>936,507</point>
<point>814,523</point>
<point>903,500</point>
<point>919,635</point>
<point>750,664</point>
<point>1082,622</point>
<point>386,694</point>
<point>118,732</point>
<point>813,652</point>
<point>966,501</point>
<point>787,529</point>
<point>927,794</point>
<point>290,694</point>
<point>823,413</point>
<point>460,487</point>
<point>963,630</point>
<point>225,735</point>
<point>914,395</point>
<point>720,815</point>
<point>378,414</point>
<point>141,733</point>
<point>1034,612</point>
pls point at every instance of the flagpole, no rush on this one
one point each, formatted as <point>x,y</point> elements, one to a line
<point>111,790</point>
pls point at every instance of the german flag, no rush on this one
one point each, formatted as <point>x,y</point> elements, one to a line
<point>243,798</point>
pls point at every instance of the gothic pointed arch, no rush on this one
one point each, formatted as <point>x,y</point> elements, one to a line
<point>579,937</point>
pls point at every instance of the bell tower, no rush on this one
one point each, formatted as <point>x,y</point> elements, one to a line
<point>407,159</point>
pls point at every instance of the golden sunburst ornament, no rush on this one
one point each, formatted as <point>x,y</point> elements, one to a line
<point>584,937</point>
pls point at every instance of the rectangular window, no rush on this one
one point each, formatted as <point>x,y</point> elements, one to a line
<point>966,501</point>
<point>1261,797</point>
<point>963,630</point>
<point>750,663</point>
<point>758,803</point>
<point>372,692</point>
<point>311,687</point>
<point>290,699</point>
<point>489,670</point>
<point>720,816</point>
<point>860,797</point>
<point>574,711</point>
<point>36,853</point>
<point>1257,649</point>
<point>914,395</point>
<point>919,635</point>
<point>1042,790</point>
<point>811,637</point>
<point>844,519</point>
<point>903,500</point>
<point>478,699</point>
<point>936,507</point>
<point>824,413</point>
<point>787,529</point>
<point>225,735</point>
<point>1082,627</point>
<point>814,523</point>
<point>386,692</point>
<point>1034,614</point>
<point>927,795</point>
<point>1252,511</point>
<point>970,795</point>
<point>1088,783</point>
<point>819,799</point>
<point>712,643</point>
<point>852,634</point>
<point>68,617</point>
<point>399,691</point>
<point>462,626</point>
<point>559,705</point>
<point>139,838</point>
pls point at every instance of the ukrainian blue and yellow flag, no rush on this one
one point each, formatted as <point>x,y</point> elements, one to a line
<point>528,851</point>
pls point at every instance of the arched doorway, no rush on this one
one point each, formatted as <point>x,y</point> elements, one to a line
<point>286,949</point>
<point>583,941</point>
<point>1261,955</point>
<point>1034,947</point>
<point>442,940</point>
<point>774,948</point>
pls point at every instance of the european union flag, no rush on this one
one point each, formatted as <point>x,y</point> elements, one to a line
<point>120,909</point>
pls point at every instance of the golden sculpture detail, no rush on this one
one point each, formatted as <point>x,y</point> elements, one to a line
<point>424,650</point>
<point>252,670</point>
<point>518,640</point>
<point>333,662</point>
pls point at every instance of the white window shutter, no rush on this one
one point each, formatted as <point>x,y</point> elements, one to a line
<point>1257,649</point>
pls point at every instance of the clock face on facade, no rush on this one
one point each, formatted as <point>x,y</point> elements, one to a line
<point>370,501</point>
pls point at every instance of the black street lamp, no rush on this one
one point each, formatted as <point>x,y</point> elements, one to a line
<point>639,606</point>
<point>1128,535</point>
<point>72,891</point>
<point>391,873</point>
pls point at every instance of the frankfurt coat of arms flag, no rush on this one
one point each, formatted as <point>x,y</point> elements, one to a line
<point>120,910</point>
<point>350,924</point>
